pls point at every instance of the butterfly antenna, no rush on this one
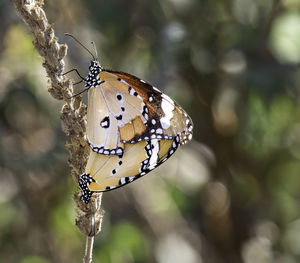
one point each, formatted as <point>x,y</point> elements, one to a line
<point>95,50</point>
<point>69,35</point>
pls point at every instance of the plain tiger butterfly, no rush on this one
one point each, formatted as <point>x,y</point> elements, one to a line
<point>124,109</point>
<point>108,172</point>
<point>132,128</point>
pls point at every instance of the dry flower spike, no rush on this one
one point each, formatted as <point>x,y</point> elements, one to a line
<point>73,111</point>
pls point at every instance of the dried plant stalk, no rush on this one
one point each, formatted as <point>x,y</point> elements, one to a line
<point>73,115</point>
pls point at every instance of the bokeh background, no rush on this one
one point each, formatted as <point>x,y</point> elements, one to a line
<point>231,195</point>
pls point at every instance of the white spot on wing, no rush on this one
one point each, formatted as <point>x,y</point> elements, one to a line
<point>156,89</point>
<point>119,151</point>
<point>131,178</point>
<point>168,106</point>
<point>159,131</point>
<point>123,81</point>
<point>122,180</point>
<point>104,124</point>
<point>154,155</point>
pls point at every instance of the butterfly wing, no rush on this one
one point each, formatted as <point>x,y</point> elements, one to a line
<point>115,111</point>
<point>107,172</point>
<point>166,119</point>
<point>101,125</point>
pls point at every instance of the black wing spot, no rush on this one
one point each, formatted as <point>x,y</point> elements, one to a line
<point>135,93</point>
<point>145,110</point>
<point>120,162</point>
<point>122,108</point>
<point>113,171</point>
<point>119,117</point>
<point>105,122</point>
<point>119,97</point>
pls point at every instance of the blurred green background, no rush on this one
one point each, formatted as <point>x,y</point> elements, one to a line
<point>231,195</point>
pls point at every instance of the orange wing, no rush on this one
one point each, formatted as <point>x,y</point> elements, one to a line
<point>166,119</point>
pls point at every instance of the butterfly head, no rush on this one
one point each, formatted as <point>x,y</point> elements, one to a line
<point>95,66</point>
<point>92,79</point>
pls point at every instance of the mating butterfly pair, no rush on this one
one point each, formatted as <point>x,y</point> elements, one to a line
<point>132,128</point>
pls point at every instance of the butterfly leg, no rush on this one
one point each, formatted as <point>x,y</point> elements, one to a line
<point>74,69</point>
<point>77,82</point>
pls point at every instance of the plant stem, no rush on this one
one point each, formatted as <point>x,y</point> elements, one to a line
<point>88,249</point>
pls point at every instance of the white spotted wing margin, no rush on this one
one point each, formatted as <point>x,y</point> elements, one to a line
<point>109,172</point>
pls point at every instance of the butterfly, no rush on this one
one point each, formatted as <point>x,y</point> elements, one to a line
<point>125,109</point>
<point>132,128</point>
<point>108,172</point>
